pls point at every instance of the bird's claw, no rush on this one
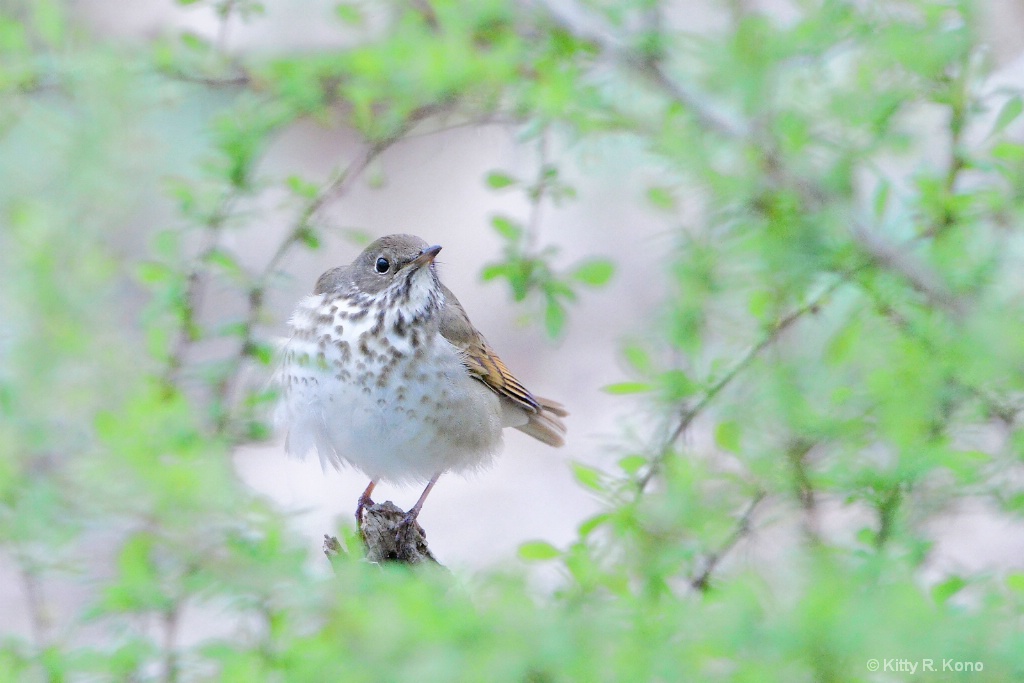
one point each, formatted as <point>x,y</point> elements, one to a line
<point>362,505</point>
<point>406,524</point>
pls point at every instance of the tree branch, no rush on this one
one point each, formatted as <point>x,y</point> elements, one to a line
<point>708,115</point>
<point>385,539</point>
<point>36,603</point>
<point>916,274</point>
<point>336,187</point>
<point>195,289</point>
<point>689,414</point>
<point>702,581</point>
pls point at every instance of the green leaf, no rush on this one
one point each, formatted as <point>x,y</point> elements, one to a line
<point>536,551</point>
<point>262,352</point>
<point>588,526</point>
<point>554,317</point>
<point>947,589</point>
<point>302,188</point>
<point>637,357</point>
<point>1015,582</point>
<point>594,273</point>
<point>309,237</point>
<point>223,260</point>
<point>194,42</point>
<point>677,385</point>
<point>350,14</point>
<point>151,273</point>
<point>506,227</point>
<point>881,200</point>
<point>631,464</point>
<point>587,476</point>
<point>727,436</point>
<point>1008,114</point>
<point>662,198</point>
<point>627,388</point>
<point>167,243</point>
<point>497,180</point>
<point>493,271</point>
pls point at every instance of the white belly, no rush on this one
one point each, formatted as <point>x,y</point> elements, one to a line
<point>422,416</point>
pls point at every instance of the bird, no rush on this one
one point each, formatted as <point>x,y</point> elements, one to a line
<point>385,372</point>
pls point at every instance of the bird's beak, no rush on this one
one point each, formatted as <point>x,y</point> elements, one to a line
<point>426,256</point>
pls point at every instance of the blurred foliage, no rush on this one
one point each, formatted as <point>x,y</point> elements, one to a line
<point>843,316</point>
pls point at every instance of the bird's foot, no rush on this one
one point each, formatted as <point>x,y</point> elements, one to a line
<point>364,502</point>
<point>405,526</point>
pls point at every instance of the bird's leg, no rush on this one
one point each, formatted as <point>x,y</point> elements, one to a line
<point>364,502</point>
<point>414,511</point>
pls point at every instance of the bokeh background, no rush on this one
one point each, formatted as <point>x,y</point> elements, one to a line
<point>122,125</point>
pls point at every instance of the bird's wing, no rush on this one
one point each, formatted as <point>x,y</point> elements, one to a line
<point>478,356</point>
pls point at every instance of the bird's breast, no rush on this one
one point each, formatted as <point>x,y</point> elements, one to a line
<point>393,399</point>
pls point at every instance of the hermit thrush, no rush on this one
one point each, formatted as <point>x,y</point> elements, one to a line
<point>385,372</point>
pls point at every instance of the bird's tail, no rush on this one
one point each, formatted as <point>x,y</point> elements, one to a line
<point>545,425</point>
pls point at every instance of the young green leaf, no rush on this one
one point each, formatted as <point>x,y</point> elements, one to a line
<point>554,317</point>
<point>594,273</point>
<point>497,180</point>
<point>942,592</point>
<point>589,477</point>
<point>506,227</point>
<point>627,388</point>
<point>662,198</point>
<point>727,436</point>
<point>536,551</point>
<point>631,464</point>
<point>1008,114</point>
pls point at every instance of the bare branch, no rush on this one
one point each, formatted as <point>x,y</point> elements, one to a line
<point>170,657</point>
<point>195,288</point>
<point>702,581</point>
<point>337,186</point>
<point>708,114</point>
<point>36,602</point>
<point>239,79</point>
<point>901,262</point>
<point>796,453</point>
<point>688,415</point>
<point>386,539</point>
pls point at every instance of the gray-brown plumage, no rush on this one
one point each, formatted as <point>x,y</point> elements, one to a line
<point>484,364</point>
<point>386,372</point>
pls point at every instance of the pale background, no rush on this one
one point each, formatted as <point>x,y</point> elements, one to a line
<point>433,186</point>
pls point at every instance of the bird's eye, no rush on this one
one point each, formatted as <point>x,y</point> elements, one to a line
<point>382,265</point>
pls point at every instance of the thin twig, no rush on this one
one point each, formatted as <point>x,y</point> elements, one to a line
<point>993,404</point>
<point>36,603</point>
<point>222,31</point>
<point>239,79</point>
<point>337,186</point>
<point>195,289</point>
<point>702,581</point>
<point>688,415</point>
<point>533,222</point>
<point>887,509</point>
<point>796,453</point>
<point>708,115</point>
<point>170,658</point>
<point>917,274</point>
